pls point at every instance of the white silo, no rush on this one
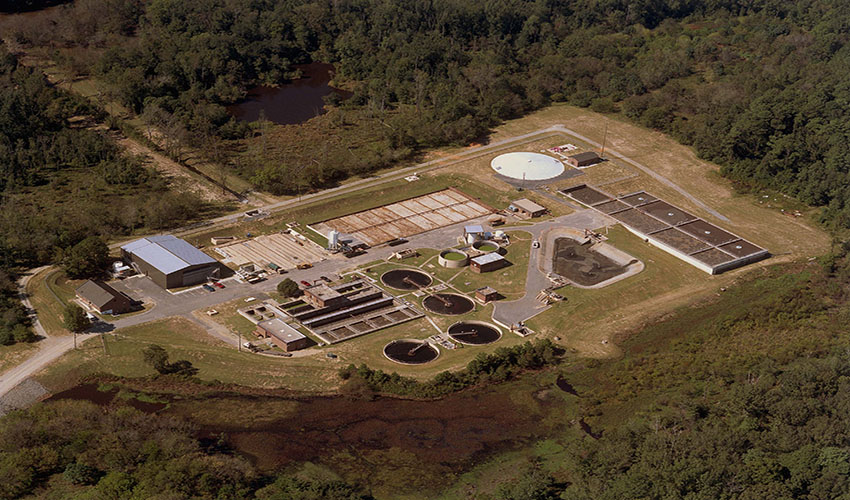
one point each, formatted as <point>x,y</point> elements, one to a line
<point>333,239</point>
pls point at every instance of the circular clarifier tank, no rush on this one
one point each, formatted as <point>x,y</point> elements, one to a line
<point>474,332</point>
<point>527,166</point>
<point>450,304</point>
<point>410,352</point>
<point>485,246</point>
<point>453,258</point>
<point>405,279</point>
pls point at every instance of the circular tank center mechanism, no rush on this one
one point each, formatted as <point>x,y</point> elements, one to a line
<point>448,303</point>
<point>528,166</point>
<point>410,352</point>
<point>406,279</point>
<point>474,332</point>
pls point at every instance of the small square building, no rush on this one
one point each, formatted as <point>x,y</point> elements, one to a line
<point>486,294</point>
<point>103,298</point>
<point>322,295</point>
<point>584,159</point>
<point>527,208</point>
<point>487,262</point>
<point>283,335</point>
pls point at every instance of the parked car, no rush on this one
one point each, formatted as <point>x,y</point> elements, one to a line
<point>209,288</point>
<point>218,285</point>
<point>305,283</point>
<point>332,355</point>
<point>325,279</point>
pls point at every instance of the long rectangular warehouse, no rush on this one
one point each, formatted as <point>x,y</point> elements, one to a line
<point>672,229</point>
<point>170,262</point>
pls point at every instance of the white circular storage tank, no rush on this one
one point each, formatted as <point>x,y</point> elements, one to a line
<point>528,166</point>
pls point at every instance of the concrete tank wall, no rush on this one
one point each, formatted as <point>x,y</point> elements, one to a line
<point>453,264</point>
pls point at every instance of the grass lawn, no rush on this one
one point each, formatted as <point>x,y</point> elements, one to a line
<point>184,339</point>
<point>589,316</point>
<point>13,355</point>
<point>49,293</point>
<point>369,348</point>
<point>754,217</point>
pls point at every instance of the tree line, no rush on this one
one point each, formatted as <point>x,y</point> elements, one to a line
<point>503,364</point>
<point>65,188</point>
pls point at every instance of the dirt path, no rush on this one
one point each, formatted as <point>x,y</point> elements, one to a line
<point>174,172</point>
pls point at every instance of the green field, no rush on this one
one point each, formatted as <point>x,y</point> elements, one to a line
<point>184,339</point>
<point>50,292</point>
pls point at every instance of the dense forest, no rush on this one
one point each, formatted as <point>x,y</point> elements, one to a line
<point>63,182</point>
<point>756,86</point>
<point>745,396</point>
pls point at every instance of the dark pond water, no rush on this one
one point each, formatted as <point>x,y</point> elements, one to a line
<point>93,394</point>
<point>291,103</point>
<point>582,265</point>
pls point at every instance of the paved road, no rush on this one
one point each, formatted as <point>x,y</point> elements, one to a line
<point>168,304</point>
<point>370,181</point>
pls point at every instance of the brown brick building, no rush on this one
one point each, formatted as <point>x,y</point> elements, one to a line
<point>103,298</point>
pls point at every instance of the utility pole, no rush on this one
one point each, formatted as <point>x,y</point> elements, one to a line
<point>604,136</point>
<point>239,336</point>
<point>75,340</point>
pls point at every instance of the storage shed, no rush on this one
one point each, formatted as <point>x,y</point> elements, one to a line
<point>584,159</point>
<point>283,335</point>
<point>527,208</point>
<point>487,262</point>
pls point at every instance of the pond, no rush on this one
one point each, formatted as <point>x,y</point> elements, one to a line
<point>291,103</point>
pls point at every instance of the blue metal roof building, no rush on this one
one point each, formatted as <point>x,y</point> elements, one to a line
<point>171,262</point>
